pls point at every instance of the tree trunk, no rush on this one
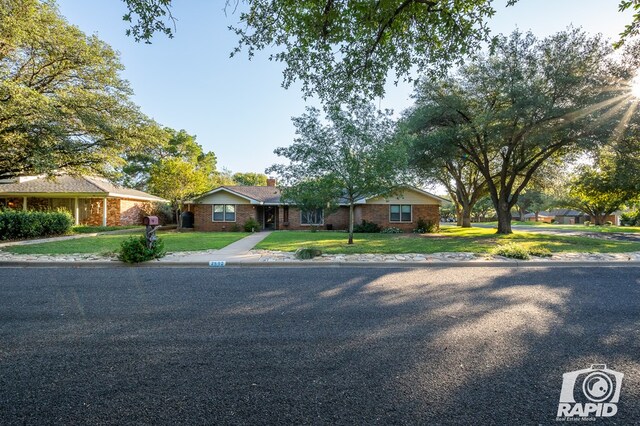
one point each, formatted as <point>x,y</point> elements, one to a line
<point>537,213</point>
<point>351,223</point>
<point>522,213</point>
<point>466,215</point>
<point>504,217</point>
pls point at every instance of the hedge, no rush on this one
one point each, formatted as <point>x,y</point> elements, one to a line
<point>16,225</point>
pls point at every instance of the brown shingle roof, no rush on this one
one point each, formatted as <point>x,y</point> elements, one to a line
<point>263,194</point>
<point>79,185</point>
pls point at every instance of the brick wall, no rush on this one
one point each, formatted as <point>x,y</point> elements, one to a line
<point>379,214</point>
<point>132,211</point>
<point>339,219</point>
<point>203,215</point>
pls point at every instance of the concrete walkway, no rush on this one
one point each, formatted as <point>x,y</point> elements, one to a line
<point>238,252</point>
<point>69,237</point>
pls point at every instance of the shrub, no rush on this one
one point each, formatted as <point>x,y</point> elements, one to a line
<point>16,225</point>
<point>135,250</point>
<point>235,228</point>
<point>391,230</point>
<point>511,250</point>
<point>251,225</point>
<point>367,227</point>
<point>587,222</point>
<point>425,226</point>
<point>307,253</point>
<point>516,251</point>
<point>630,219</point>
<point>540,252</point>
<point>608,223</point>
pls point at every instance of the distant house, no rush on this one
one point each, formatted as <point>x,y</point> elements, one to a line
<point>228,207</point>
<point>569,216</point>
<point>91,200</point>
<point>543,216</point>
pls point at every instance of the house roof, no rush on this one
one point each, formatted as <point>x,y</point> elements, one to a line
<point>566,212</point>
<point>73,186</point>
<point>272,194</point>
<point>540,214</point>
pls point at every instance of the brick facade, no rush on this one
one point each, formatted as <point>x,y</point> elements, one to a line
<point>120,212</point>
<point>379,214</point>
<point>339,219</point>
<point>289,217</point>
<point>203,217</point>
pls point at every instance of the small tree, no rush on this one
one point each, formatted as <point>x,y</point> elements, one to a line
<point>176,180</point>
<point>597,193</point>
<point>356,152</point>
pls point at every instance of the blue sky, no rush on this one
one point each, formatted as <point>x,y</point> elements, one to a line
<point>236,107</point>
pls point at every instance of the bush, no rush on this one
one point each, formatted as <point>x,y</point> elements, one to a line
<point>307,253</point>
<point>516,251</point>
<point>367,228</point>
<point>511,250</point>
<point>540,252</point>
<point>252,225</point>
<point>608,223</point>
<point>391,230</point>
<point>135,250</point>
<point>425,226</point>
<point>15,225</point>
<point>630,219</point>
<point>587,223</point>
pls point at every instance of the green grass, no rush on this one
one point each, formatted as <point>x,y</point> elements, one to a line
<point>450,239</point>
<point>590,228</point>
<point>85,229</point>
<point>174,241</point>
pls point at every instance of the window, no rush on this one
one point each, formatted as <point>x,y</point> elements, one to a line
<point>312,217</point>
<point>224,213</point>
<point>400,213</point>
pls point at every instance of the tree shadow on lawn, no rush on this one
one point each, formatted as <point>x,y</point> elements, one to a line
<point>436,346</point>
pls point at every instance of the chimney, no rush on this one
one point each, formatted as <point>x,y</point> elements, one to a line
<point>271,181</point>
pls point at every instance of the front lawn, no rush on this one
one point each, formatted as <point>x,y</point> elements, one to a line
<point>87,229</point>
<point>590,228</point>
<point>450,239</point>
<point>174,241</point>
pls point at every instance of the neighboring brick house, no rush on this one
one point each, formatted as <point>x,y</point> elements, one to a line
<point>228,207</point>
<point>91,200</point>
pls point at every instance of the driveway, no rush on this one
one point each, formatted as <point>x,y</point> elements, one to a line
<point>304,345</point>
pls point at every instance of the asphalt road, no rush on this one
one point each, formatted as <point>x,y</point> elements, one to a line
<point>311,345</point>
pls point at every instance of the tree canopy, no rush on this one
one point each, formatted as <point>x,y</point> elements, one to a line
<point>339,48</point>
<point>526,102</point>
<point>250,179</point>
<point>63,105</point>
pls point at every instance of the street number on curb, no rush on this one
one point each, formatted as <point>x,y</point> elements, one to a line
<point>217,263</point>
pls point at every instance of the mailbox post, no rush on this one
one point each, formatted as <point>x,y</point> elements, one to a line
<point>152,224</point>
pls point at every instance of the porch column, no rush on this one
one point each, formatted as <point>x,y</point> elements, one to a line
<point>104,211</point>
<point>24,204</point>
<point>76,211</point>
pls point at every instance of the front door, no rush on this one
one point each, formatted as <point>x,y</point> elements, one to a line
<point>270,217</point>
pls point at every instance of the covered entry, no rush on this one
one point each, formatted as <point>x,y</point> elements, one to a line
<point>268,217</point>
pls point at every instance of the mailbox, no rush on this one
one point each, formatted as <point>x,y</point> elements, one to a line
<point>150,220</point>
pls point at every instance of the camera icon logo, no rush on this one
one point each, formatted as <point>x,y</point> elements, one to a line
<point>590,392</point>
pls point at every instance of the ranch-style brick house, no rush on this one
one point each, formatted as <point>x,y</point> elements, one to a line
<point>90,200</point>
<point>228,207</point>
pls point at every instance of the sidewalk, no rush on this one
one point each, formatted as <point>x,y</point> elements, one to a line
<point>69,237</point>
<point>238,252</point>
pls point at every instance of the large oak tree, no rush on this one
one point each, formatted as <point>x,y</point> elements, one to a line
<point>526,102</point>
<point>63,105</point>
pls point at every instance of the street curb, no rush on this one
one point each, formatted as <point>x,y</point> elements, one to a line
<point>302,264</point>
